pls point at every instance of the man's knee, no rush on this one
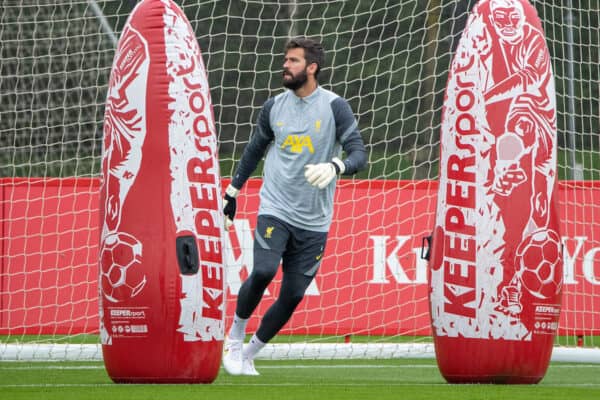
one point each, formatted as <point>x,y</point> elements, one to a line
<point>292,290</point>
<point>261,277</point>
<point>292,299</point>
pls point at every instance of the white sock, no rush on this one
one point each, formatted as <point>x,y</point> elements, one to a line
<point>253,347</point>
<point>238,328</point>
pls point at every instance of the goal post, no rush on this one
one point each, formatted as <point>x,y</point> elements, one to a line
<point>389,59</point>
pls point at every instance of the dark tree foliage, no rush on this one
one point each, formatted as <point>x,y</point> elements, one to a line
<point>390,59</point>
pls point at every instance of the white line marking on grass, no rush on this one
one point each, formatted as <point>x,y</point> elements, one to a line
<point>568,385</point>
<point>326,366</point>
<point>260,366</point>
<point>341,366</point>
<point>60,367</point>
<point>57,385</point>
<point>283,384</point>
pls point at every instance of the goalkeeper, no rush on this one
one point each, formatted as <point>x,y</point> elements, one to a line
<point>304,129</point>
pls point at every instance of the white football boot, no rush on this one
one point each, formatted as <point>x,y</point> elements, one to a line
<point>248,367</point>
<point>232,356</point>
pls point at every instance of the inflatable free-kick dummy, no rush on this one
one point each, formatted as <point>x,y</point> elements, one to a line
<point>161,283</point>
<point>496,260</point>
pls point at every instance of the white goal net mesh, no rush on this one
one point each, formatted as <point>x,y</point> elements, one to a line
<point>389,59</point>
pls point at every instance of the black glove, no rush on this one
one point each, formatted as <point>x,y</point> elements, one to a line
<point>230,205</point>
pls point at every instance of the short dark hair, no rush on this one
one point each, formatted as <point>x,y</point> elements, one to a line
<point>313,51</point>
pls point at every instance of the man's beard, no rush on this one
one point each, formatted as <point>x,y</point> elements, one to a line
<point>296,81</point>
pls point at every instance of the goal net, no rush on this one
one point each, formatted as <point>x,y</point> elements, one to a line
<point>389,59</point>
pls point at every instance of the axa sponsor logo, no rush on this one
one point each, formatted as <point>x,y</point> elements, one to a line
<point>297,144</point>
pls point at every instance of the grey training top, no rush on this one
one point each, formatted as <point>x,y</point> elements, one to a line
<point>301,131</point>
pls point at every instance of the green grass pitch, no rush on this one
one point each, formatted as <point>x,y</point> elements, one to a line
<point>412,379</point>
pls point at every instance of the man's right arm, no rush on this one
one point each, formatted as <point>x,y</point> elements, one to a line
<point>255,150</point>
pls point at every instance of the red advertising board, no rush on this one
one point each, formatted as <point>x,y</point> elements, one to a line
<point>48,260</point>
<point>372,280</point>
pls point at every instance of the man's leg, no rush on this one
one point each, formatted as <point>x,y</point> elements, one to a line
<point>293,287</point>
<point>269,243</point>
<point>301,262</point>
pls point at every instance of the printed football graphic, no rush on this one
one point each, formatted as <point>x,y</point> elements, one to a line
<point>538,263</point>
<point>122,276</point>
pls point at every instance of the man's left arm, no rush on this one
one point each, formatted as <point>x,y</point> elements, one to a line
<point>348,135</point>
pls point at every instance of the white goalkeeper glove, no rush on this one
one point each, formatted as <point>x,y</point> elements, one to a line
<point>230,205</point>
<point>322,174</point>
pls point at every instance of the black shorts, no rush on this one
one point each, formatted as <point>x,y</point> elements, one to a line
<point>299,250</point>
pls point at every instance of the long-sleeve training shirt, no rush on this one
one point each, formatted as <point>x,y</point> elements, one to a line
<point>300,131</point>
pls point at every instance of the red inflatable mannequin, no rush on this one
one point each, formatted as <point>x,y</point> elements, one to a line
<point>496,260</point>
<point>162,301</point>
